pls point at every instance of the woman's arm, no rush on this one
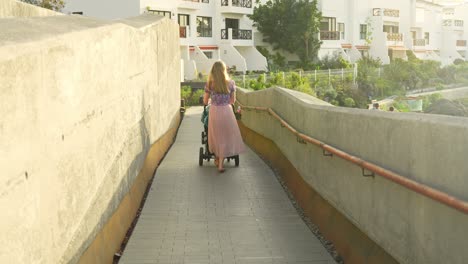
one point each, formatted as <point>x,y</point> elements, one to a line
<point>232,100</point>
<point>232,89</point>
<point>206,95</point>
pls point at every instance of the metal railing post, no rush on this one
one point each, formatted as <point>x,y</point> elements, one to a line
<point>284,80</point>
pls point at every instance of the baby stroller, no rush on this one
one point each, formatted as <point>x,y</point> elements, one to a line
<point>205,153</point>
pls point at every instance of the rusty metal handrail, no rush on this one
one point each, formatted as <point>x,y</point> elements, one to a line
<point>420,188</point>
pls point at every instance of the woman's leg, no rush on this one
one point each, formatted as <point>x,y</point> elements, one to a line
<point>220,164</point>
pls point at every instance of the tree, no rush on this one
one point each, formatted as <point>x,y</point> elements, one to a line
<point>290,25</point>
<point>56,5</point>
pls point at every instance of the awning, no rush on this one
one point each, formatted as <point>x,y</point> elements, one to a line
<point>208,47</point>
<point>362,47</point>
<point>402,48</point>
<point>346,46</point>
<point>192,48</point>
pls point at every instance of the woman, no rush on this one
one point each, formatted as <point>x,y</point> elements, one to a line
<point>224,137</point>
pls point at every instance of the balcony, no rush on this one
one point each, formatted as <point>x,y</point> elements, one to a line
<point>183,31</point>
<point>237,37</point>
<point>236,34</point>
<point>243,7</point>
<point>418,42</point>
<point>453,24</point>
<point>397,37</point>
<point>386,12</point>
<point>461,43</point>
<point>329,35</point>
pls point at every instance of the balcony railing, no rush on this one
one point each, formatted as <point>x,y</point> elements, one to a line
<point>183,31</point>
<point>450,22</point>
<point>461,43</point>
<point>419,42</point>
<point>394,37</point>
<point>329,35</point>
<point>237,34</point>
<point>386,12</point>
<point>238,3</point>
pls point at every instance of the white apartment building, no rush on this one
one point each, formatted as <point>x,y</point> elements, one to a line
<point>209,30</point>
<point>352,28</point>
<point>220,29</point>
<point>439,32</point>
<point>387,29</point>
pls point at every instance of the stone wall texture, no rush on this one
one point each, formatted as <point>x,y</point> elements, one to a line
<point>429,149</point>
<point>81,103</point>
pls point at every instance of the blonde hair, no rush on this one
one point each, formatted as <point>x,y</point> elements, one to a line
<point>218,78</point>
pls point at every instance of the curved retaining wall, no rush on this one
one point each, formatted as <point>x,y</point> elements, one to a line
<point>451,94</point>
<point>429,149</point>
<point>82,102</point>
<point>13,8</point>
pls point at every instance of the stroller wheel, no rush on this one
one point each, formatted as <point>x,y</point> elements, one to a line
<point>236,160</point>
<point>200,157</point>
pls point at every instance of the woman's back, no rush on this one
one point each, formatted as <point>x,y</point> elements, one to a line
<point>219,99</point>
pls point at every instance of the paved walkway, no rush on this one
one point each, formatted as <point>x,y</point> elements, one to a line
<point>196,215</point>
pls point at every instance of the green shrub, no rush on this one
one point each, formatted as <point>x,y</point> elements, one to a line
<point>402,106</point>
<point>349,102</point>
<point>185,93</point>
<point>195,97</point>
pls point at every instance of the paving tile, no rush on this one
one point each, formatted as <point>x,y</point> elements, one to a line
<point>195,215</point>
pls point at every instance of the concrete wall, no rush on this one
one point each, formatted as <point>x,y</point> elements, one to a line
<point>430,149</point>
<point>12,8</point>
<point>451,94</point>
<point>81,103</point>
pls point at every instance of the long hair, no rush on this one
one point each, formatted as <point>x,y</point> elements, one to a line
<point>218,78</point>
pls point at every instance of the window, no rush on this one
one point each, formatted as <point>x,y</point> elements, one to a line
<point>390,29</point>
<point>363,31</point>
<point>328,24</point>
<point>204,27</point>
<point>426,37</point>
<point>209,54</point>
<point>161,13</point>
<point>184,20</point>
<point>341,29</point>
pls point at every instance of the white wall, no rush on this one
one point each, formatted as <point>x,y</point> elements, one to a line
<point>254,59</point>
<point>82,102</point>
<point>232,57</point>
